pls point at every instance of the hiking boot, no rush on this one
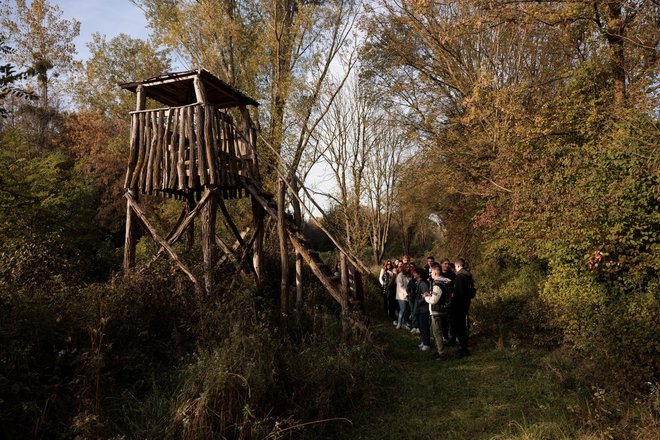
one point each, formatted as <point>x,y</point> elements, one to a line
<point>440,357</point>
<point>462,353</point>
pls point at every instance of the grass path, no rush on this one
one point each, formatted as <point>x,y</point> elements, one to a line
<point>493,394</point>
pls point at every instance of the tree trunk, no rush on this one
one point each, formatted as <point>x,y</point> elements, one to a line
<point>284,253</point>
<point>297,216</point>
<point>208,239</point>
<point>615,39</point>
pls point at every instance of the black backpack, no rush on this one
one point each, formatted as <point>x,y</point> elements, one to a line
<point>472,290</point>
<point>411,289</point>
<point>444,304</point>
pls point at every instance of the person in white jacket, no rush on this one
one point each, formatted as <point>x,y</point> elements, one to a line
<point>401,296</point>
<point>438,302</point>
<point>386,278</point>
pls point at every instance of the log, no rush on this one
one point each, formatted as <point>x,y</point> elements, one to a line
<point>231,155</point>
<point>228,219</point>
<point>192,159</point>
<point>158,158</point>
<point>208,236</point>
<point>224,248</point>
<point>130,235</point>
<point>180,166</point>
<point>166,151</point>
<point>200,144</point>
<point>200,92</point>
<point>132,155</point>
<point>141,98</point>
<point>222,144</point>
<point>229,251</point>
<point>147,151</point>
<point>325,280</point>
<point>181,225</point>
<point>171,184</point>
<point>209,141</point>
<point>141,151</point>
<point>153,146</point>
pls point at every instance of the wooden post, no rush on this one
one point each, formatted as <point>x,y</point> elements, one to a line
<point>208,239</point>
<point>284,253</point>
<point>131,218</point>
<point>200,93</point>
<point>129,238</point>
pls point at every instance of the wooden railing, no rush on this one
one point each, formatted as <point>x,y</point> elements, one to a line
<point>177,149</point>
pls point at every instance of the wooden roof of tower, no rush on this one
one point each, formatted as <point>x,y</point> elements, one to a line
<point>177,89</point>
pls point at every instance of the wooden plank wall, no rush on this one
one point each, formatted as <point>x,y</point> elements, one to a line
<point>175,150</point>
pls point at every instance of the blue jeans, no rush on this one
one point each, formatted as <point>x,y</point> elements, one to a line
<point>413,318</point>
<point>402,311</point>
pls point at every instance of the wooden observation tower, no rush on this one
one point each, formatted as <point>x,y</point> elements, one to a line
<point>195,151</point>
<point>201,149</point>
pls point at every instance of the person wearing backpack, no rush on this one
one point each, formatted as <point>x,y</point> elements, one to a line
<point>439,303</point>
<point>463,293</point>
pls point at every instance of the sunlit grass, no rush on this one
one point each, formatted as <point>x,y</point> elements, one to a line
<point>493,394</point>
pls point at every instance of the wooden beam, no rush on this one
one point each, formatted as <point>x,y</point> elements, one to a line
<point>235,247</point>
<point>228,219</point>
<point>200,92</point>
<point>152,232</point>
<point>208,238</point>
<point>130,235</point>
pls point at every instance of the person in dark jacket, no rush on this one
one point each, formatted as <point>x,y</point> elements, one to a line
<point>422,310</point>
<point>430,261</point>
<point>449,338</point>
<point>412,296</point>
<point>461,305</point>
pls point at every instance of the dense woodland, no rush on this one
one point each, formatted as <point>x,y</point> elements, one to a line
<point>520,135</point>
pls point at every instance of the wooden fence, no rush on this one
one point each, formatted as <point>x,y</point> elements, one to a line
<point>178,149</point>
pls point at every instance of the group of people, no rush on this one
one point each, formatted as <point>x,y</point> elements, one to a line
<point>431,300</point>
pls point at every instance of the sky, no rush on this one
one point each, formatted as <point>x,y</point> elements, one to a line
<point>107,17</point>
<point>112,17</point>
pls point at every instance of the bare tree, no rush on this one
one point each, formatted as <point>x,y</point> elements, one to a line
<point>381,180</point>
<point>363,148</point>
